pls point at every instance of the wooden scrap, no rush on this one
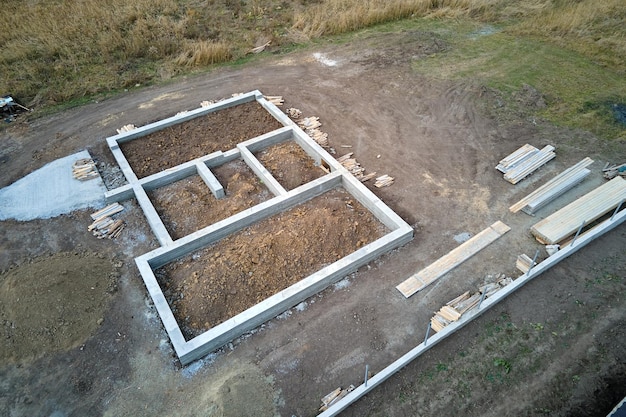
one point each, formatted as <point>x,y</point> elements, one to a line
<point>519,171</point>
<point>107,211</point>
<point>294,113</point>
<point>524,262</point>
<point>206,103</point>
<point>318,136</point>
<point>260,48</point>
<point>332,397</point>
<point>126,128</point>
<point>311,122</point>
<point>103,225</point>
<point>275,100</point>
<point>383,181</point>
<point>454,309</point>
<point>610,172</point>
<point>84,169</point>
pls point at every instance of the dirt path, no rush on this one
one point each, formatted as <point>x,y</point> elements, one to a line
<point>440,141</point>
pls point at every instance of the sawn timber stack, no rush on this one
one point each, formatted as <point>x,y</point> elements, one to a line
<point>593,205</point>
<point>557,186</point>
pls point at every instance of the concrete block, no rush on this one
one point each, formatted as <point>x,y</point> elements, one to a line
<point>210,180</point>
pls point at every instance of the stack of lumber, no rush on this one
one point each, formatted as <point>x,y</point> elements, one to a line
<point>103,224</point>
<point>610,172</point>
<point>454,309</point>
<point>524,262</point>
<point>593,205</point>
<point>355,168</point>
<point>84,169</point>
<point>275,100</point>
<point>351,164</point>
<point>126,128</point>
<point>454,258</point>
<point>557,186</point>
<point>383,181</point>
<point>319,137</point>
<point>294,113</point>
<point>311,122</point>
<point>334,396</point>
<point>524,162</point>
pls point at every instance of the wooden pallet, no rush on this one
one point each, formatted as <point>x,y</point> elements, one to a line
<point>454,258</point>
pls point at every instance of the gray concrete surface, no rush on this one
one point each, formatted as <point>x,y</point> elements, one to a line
<point>51,191</point>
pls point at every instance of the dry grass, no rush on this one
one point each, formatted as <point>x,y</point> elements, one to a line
<point>56,51</point>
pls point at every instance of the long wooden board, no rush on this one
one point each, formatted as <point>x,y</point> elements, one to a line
<point>553,188</point>
<point>593,205</point>
<point>453,259</point>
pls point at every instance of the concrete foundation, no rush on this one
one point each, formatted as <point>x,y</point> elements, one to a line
<point>170,250</point>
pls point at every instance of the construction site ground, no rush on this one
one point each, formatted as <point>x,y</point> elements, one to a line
<point>80,337</point>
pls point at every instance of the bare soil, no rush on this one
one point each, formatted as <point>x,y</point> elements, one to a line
<point>188,205</point>
<point>555,347</point>
<point>214,284</point>
<point>201,136</point>
<point>289,164</point>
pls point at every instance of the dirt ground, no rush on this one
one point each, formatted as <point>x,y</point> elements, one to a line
<point>555,347</point>
<point>201,136</point>
<point>214,284</point>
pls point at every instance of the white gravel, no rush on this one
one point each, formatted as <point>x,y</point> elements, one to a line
<point>51,191</point>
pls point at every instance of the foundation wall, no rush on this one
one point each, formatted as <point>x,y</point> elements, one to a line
<point>170,250</point>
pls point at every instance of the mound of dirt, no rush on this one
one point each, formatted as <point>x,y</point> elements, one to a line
<point>53,303</point>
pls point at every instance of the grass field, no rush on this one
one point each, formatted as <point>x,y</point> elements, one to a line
<point>63,52</point>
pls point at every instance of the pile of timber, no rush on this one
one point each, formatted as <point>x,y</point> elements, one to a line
<point>311,126</point>
<point>524,262</point>
<point>294,113</point>
<point>610,172</point>
<point>104,226</point>
<point>354,167</point>
<point>334,396</point>
<point>557,186</point>
<point>275,100</point>
<point>524,162</point>
<point>593,205</point>
<point>454,309</point>
<point>383,181</point>
<point>126,128</point>
<point>84,169</point>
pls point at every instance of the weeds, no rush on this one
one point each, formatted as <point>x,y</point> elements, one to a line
<point>55,52</point>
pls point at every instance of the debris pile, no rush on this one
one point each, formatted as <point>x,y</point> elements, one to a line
<point>294,113</point>
<point>524,162</point>
<point>311,126</point>
<point>383,181</point>
<point>126,128</point>
<point>454,309</point>
<point>610,172</point>
<point>84,169</point>
<point>275,100</point>
<point>334,396</point>
<point>104,226</point>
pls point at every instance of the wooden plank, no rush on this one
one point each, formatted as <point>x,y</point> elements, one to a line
<point>530,165</point>
<point>593,205</point>
<point>553,188</point>
<point>453,259</point>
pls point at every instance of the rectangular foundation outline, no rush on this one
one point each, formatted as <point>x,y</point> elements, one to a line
<point>188,351</point>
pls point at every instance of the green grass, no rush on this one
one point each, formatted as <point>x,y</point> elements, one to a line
<point>578,92</point>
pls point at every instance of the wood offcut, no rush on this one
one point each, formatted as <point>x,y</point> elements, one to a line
<point>454,258</point>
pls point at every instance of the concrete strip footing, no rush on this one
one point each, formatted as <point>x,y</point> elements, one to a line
<point>170,250</point>
<point>452,328</point>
